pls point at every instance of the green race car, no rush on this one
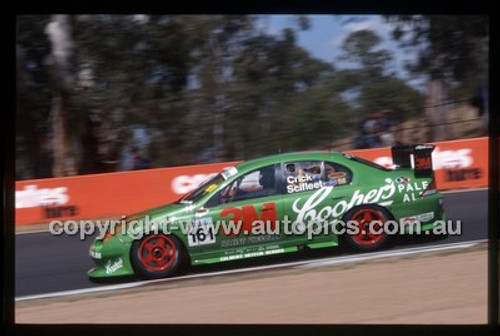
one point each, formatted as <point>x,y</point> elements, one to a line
<point>272,205</point>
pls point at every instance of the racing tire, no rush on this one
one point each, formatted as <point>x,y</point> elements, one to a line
<point>366,241</point>
<point>157,256</point>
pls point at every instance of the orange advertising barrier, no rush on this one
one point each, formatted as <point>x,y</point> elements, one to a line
<point>458,164</point>
<point>106,195</point>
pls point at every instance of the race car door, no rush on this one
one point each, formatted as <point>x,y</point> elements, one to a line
<point>235,209</point>
<point>310,188</point>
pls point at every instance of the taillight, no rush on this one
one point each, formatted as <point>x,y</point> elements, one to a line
<point>430,190</point>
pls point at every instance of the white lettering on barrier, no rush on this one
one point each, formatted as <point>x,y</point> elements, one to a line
<point>32,197</point>
<point>183,184</point>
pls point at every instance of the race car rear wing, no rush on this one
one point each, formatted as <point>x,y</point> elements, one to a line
<point>418,157</point>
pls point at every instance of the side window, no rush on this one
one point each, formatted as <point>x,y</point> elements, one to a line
<point>337,174</point>
<point>303,176</point>
<point>256,184</point>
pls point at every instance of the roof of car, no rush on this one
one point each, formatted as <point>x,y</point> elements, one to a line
<point>276,158</point>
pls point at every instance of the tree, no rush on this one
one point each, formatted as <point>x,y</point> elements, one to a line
<point>392,92</point>
<point>452,55</point>
<point>271,73</point>
<point>376,88</point>
<point>60,70</point>
<point>450,47</point>
<point>203,88</point>
<point>362,47</point>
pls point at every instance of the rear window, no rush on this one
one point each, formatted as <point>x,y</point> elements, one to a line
<point>365,162</point>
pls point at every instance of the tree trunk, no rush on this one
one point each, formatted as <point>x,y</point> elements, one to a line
<point>59,139</point>
<point>58,64</point>
<point>219,97</point>
<point>436,110</point>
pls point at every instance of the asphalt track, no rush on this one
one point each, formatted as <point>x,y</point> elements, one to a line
<point>46,263</point>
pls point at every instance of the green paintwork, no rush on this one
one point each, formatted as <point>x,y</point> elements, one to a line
<point>369,185</point>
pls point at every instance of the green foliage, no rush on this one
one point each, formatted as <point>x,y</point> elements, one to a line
<point>377,87</point>
<point>394,93</point>
<point>361,47</point>
<point>452,48</point>
<point>206,88</point>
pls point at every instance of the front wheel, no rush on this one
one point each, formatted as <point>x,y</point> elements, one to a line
<point>367,240</point>
<point>157,256</point>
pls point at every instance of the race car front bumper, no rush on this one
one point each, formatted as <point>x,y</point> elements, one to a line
<point>112,259</point>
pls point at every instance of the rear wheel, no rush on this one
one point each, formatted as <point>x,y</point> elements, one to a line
<point>157,256</point>
<point>367,240</point>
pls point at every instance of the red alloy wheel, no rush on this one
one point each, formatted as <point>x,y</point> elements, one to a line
<point>157,253</point>
<point>364,217</point>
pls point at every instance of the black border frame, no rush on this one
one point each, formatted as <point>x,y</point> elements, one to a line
<point>275,7</point>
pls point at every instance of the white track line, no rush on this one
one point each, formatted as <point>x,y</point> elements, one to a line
<point>34,231</point>
<point>298,264</point>
<point>441,192</point>
<point>392,254</point>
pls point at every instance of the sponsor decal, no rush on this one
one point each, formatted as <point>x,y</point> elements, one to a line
<point>228,172</point>
<point>95,255</point>
<point>202,232</point>
<point>231,257</point>
<point>412,190</point>
<point>426,216</point>
<point>423,162</point>
<point>403,179</point>
<point>60,211</point>
<point>463,174</point>
<point>210,188</point>
<point>113,267</point>
<point>31,197</point>
<point>308,211</point>
<point>304,176</point>
<point>303,183</point>
<point>263,239</point>
<point>421,218</point>
<point>247,214</point>
<point>423,147</point>
<point>252,254</point>
<point>233,242</point>
<point>249,240</point>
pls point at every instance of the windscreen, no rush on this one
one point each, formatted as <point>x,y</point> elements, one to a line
<point>205,188</point>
